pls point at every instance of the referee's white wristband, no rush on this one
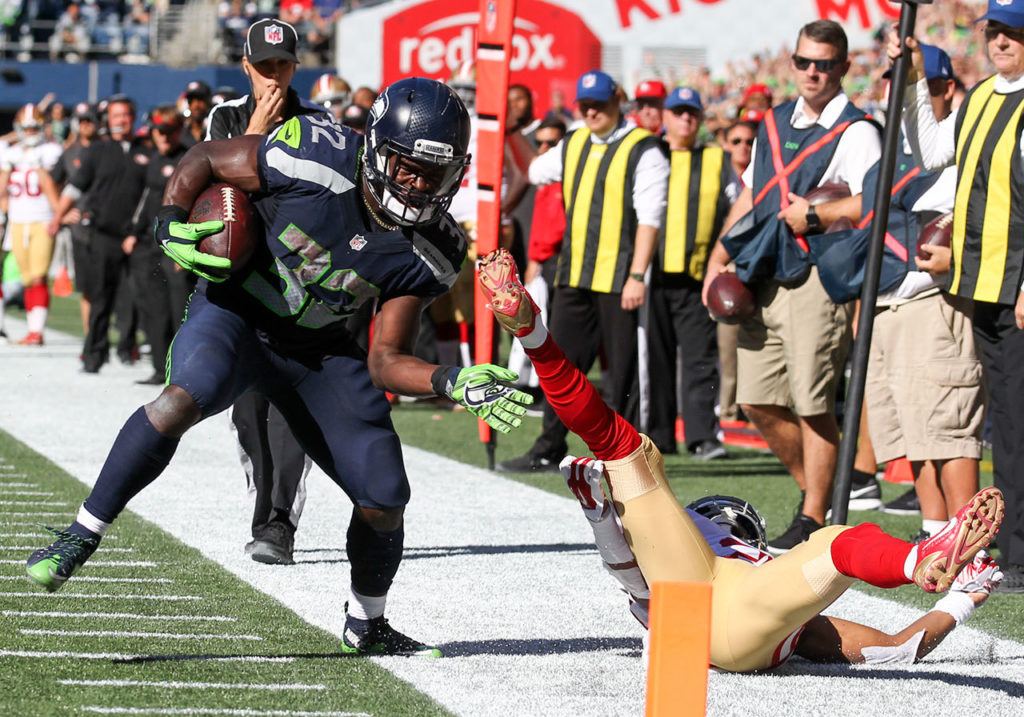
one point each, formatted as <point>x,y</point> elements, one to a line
<point>959,605</point>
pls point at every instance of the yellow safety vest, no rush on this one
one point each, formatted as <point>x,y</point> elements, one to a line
<point>988,217</point>
<point>597,188</point>
<point>697,207</point>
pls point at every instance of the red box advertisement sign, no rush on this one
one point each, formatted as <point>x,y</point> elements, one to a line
<point>551,46</point>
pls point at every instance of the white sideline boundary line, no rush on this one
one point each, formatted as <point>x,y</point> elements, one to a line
<point>138,633</point>
<point>29,503</point>
<point>102,563</point>
<point>65,654</point>
<point>33,514</point>
<point>118,616</point>
<point>176,685</point>
<point>94,579</point>
<point>40,493</point>
<point>214,711</point>
<point>102,596</point>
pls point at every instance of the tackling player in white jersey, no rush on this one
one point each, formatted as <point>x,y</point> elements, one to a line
<point>31,197</point>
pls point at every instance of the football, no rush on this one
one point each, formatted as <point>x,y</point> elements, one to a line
<point>839,225</point>
<point>230,205</point>
<point>937,232</point>
<point>829,192</point>
<point>729,299</point>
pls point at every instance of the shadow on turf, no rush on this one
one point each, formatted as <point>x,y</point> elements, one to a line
<point>442,551</point>
<point>801,669</point>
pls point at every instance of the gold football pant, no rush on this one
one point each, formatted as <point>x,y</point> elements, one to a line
<point>754,609</point>
<point>33,250</point>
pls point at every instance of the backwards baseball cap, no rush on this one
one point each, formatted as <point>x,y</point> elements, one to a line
<point>197,88</point>
<point>684,97</point>
<point>84,111</point>
<point>1007,12</point>
<point>596,86</point>
<point>651,89</point>
<point>271,38</point>
<point>937,65</point>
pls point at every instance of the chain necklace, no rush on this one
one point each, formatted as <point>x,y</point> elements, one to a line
<point>362,193</point>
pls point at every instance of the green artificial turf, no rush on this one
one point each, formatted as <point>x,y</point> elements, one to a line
<point>31,685</point>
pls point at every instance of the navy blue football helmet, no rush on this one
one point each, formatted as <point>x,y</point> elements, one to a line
<point>735,515</point>
<point>419,126</point>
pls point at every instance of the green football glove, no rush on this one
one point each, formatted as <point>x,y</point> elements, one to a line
<point>180,241</point>
<point>486,392</point>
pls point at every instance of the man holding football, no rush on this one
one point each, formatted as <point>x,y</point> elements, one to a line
<point>762,610</point>
<point>347,221</point>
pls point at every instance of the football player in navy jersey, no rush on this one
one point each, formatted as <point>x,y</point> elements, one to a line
<point>347,221</point>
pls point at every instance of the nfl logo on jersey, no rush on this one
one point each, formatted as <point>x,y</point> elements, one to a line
<point>273,34</point>
<point>357,242</point>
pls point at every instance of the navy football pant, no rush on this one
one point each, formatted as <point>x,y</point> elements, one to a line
<point>342,421</point>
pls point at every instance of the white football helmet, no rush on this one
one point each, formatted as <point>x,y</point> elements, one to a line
<point>28,123</point>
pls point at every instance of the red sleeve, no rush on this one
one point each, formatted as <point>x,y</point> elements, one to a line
<point>548,225</point>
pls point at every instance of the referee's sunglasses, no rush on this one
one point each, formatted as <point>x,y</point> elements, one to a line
<point>802,63</point>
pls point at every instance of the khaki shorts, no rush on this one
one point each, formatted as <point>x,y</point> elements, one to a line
<point>924,394</point>
<point>33,250</point>
<point>790,352</point>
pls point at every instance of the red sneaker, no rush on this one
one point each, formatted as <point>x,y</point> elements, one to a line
<point>512,305</point>
<point>32,338</point>
<point>941,557</point>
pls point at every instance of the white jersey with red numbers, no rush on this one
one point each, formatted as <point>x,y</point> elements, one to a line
<point>26,203</point>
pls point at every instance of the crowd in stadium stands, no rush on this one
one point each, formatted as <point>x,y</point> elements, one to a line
<point>693,114</point>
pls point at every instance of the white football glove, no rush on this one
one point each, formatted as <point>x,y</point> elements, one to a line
<point>981,576</point>
<point>583,476</point>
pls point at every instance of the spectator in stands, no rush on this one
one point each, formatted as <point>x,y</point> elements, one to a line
<point>650,101</point>
<point>792,350</point>
<point>701,189</point>
<point>596,301</point>
<point>757,97</point>
<point>71,38</point>
<point>520,111</point>
<point>235,17</point>
<point>548,226</point>
<point>198,97</point>
<point>136,28</point>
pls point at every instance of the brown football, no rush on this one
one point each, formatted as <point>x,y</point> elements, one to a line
<point>937,232</point>
<point>829,192</point>
<point>223,202</point>
<point>729,299</point>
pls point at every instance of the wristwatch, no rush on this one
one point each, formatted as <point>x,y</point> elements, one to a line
<point>813,221</point>
<point>638,275</point>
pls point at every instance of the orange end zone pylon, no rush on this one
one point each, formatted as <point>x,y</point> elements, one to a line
<point>680,649</point>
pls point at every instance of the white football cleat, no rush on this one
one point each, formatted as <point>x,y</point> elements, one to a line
<point>583,476</point>
<point>981,576</point>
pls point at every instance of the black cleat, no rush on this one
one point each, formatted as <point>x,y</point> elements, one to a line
<point>274,546</point>
<point>906,504</point>
<point>51,566</point>
<point>797,532</point>
<point>529,463</point>
<point>377,637</point>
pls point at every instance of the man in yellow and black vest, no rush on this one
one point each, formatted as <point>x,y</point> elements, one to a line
<point>984,139</point>
<point>614,176</point>
<point>701,188</point>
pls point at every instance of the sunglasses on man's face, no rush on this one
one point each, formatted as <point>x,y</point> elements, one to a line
<point>802,63</point>
<point>547,142</point>
<point>995,29</point>
<point>737,141</point>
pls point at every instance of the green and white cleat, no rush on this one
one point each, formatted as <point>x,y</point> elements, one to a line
<point>51,566</point>
<point>376,637</point>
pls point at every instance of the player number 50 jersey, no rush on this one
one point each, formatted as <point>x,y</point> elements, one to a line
<point>26,202</point>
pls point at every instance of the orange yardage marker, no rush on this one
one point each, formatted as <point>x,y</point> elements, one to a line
<point>680,649</point>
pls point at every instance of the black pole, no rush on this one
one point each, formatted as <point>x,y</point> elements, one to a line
<point>869,292</point>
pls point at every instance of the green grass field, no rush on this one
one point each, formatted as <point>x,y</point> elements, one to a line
<point>215,615</point>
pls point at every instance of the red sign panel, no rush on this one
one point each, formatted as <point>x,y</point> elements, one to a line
<point>551,46</point>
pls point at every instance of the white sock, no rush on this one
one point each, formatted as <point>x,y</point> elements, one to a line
<point>36,319</point>
<point>958,604</point>
<point>363,607</point>
<point>91,522</point>
<point>910,563</point>
<point>536,338</point>
<point>932,527</point>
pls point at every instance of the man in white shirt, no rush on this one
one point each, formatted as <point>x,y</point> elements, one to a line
<point>792,350</point>
<point>614,181</point>
<point>984,140</point>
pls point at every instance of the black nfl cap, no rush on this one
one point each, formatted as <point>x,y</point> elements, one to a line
<point>197,88</point>
<point>271,38</point>
<point>84,111</point>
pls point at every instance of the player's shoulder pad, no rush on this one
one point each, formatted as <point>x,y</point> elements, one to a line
<point>312,148</point>
<point>442,246</point>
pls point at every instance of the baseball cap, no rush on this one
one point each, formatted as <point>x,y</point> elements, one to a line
<point>756,89</point>
<point>270,38</point>
<point>595,85</point>
<point>751,116</point>
<point>84,111</point>
<point>684,97</point>
<point>651,89</point>
<point>937,65</point>
<point>1008,12</point>
<point>197,88</point>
